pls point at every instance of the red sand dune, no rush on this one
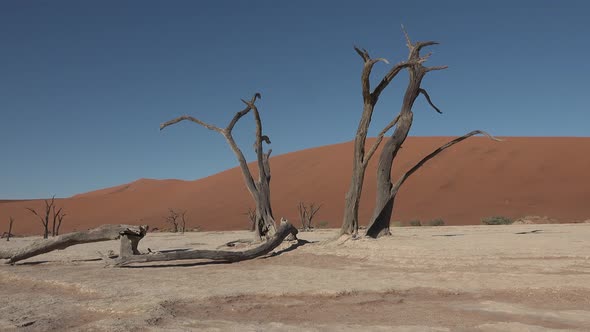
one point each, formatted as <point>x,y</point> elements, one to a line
<point>471,180</point>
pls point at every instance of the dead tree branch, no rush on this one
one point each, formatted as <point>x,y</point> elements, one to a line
<point>284,230</point>
<point>45,219</point>
<point>306,214</point>
<point>259,190</point>
<point>102,233</point>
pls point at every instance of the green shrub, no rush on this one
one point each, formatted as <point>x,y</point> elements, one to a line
<point>396,224</point>
<point>415,223</point>
<point>497,220</point>
<point>436,222</point>
<point>322,224</point>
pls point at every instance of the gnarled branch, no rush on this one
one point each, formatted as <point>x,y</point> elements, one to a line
<point>378,141</point>
<point>422,91</point>
<point>102,233</point>
<point>433,154</point>
<point>216,255</point>
<point>193,119</point>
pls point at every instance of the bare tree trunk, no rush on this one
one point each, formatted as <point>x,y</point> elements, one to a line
<point>283,231</point>
<point>102,233</point>
<point>384,209</point>
<point>360,158</point>
<point>386,190</point>
<point>9,229</point>
<point>259,190</point>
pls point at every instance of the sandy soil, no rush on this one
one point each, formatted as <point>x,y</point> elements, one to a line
<point>464,278</point>
<point>543,176</point>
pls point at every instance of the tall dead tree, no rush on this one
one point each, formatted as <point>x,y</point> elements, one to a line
<point>45,218</point>
<point>306,214</point>
<point>260,190</point>
<point>386,190</point>
<point>360,158</point>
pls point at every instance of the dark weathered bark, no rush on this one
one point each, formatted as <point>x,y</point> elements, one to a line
<point>102,233</point>
<point>383,210</point>
<point>284,230</point>
<point>9,229</point>
<point>386,191</point>
<point>259,190</point>
<point>57,219</point>
<point>360,159</point>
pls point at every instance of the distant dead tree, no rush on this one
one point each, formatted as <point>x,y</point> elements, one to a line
<point>58,217</point>
<point>173,218</point>
<point>386,190</point>
<point>306,214</point>
<point>260,190</point>
<point>9,229</point>
<point>251,213</point>
<point>49,208</point>
<point>183,220</point>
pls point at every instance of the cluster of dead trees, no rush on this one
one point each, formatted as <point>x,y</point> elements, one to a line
<point>261,217</point>
<point>51,214</point>
<point>177,220</point>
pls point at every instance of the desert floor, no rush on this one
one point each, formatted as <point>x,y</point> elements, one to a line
<point>463,278</point>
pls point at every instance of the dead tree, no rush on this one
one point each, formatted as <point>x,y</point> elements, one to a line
<point>386,190</point>
<point>173,219</point>
<point>182,221</point>
<point>360,158</point>
<point>9,229</point>
<point>306,214</point>
<point>260,190</point>
<point>45,219</point>
<point>102,233</point>
<point>58,217</point>
<point>251,213</point>
<point>284,230</point>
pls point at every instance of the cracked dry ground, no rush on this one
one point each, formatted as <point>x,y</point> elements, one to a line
<point>469,278</point>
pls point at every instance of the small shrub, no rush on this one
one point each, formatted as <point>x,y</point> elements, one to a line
<point>396,224</point>
<point>415,223</point>
<point>322,224</point>
<point>497,220</point>
<point>436,222</point>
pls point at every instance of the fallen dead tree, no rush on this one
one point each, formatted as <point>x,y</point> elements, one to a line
<point>131,233</point>
<point>127,257</point>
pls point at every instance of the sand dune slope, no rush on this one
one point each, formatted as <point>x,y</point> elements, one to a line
<point>474,179</point>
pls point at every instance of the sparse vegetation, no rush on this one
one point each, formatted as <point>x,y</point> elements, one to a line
<point>177,220</point>
<point>436,222</point>
<point>251,213</point>
<point>415,223</point>
<point>322,224</point>
<point>306,214</point>
<point>50,210</point>
<point>497,220</point>
<point>397,224</point>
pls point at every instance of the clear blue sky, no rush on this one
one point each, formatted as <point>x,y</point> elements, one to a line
<point>85,84</point>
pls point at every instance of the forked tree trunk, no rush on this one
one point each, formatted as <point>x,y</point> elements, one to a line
<point>102,233</point>
<point>360,157</point>
<point>379,224</point>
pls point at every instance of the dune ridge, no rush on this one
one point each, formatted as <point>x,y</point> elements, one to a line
<point>544,176</point>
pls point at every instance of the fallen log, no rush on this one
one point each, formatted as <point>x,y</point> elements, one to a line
<point>284,230</point>
<point>101,233</point>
